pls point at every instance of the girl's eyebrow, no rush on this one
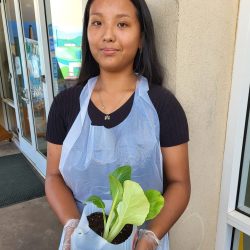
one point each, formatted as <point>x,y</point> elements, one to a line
<point>118,16</point>
<point>122,15</point>
<point>96,14</point>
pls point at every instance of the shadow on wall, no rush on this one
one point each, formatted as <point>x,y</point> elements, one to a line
<point>165,14</point>
<point>194,239</point>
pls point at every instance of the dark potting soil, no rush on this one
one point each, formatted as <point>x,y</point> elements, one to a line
<point>97,225</point>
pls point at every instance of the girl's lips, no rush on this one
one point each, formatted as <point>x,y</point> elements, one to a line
<point>109,51</point>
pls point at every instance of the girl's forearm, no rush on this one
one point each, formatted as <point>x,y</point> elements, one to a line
<point>61,199</point>
<point>176,199</point>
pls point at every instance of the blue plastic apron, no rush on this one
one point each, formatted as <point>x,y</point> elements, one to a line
<point>90,153</point>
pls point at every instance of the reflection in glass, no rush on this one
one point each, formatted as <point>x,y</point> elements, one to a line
<point>241,241</point>
<point>65,38</point>
<point>16,60</point>
<point>34,71</point>
<point>4,66</point>
<point>244,194</point>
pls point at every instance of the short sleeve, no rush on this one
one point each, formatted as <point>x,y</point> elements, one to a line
<point>172,118</point>
<point>173,123</point>
<point>56,129</point>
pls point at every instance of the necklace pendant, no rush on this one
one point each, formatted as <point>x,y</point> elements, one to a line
<point>107,117</point>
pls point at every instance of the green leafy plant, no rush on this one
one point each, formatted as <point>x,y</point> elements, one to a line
<point>130,204</point>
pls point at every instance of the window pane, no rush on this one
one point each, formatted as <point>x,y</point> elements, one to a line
<point>244,194</point>
<point>32,52</point>
<point>65,38</point>
<point>16,61</point>
<point>241,241</point>
<point>4,66</point>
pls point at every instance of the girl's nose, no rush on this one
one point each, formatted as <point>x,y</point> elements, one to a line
<point>109,35</point>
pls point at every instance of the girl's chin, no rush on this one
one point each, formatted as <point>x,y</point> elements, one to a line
<point>115,67</point>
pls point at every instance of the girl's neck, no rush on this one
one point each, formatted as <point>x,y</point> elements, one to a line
<point>113,82</point>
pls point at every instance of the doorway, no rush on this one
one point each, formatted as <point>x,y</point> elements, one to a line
<point>27,75</point>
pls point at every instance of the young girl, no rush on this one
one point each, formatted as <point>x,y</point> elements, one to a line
<point>118,115</point>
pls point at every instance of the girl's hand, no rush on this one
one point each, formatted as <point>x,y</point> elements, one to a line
<point>67,237</point>
<point>144,244</point>
<point>69,229</point>
<point>147,241</point>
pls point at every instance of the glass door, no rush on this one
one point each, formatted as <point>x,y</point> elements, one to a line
<point>33,94</point>
<point>7,102</point>
<point>27,56</point>
<point>65,39</point>
<point>16,73</point>
<point>4,66</point>
<point>241,240</point>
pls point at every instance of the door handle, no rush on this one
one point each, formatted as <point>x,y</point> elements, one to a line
<point>25,92</point>
<point>25,99</point>
<point>9,76</point>
<point>43,79</point>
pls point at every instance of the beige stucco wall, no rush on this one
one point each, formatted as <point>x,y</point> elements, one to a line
<point>197,38</point>
<point>165,16</point>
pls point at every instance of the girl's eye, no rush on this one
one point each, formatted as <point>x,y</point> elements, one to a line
<point>122,25</point>
<point>96,23</point>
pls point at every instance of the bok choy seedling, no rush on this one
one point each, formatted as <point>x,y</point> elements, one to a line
<point>130,204</point>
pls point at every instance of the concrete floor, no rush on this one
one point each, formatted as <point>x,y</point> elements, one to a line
<point>8,148</point>
<point>29,225</point>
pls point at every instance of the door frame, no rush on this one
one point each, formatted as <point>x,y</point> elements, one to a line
<point>3,108</point>
<point>44,51</point>
<point>228,217</point>
<point>6,101</point>
<point>30,150</point>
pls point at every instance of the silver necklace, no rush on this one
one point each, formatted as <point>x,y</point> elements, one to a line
<point>107,116</point>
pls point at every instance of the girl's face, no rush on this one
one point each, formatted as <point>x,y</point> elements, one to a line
<point>114,34</point>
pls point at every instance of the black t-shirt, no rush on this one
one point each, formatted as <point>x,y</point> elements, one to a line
<point>66,106</point>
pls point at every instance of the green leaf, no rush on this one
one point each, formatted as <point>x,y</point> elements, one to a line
<point>96,201</point>
<point>122,173</point>
<point>156,201</point>
<point>116,189</point>
<point>133,208</point>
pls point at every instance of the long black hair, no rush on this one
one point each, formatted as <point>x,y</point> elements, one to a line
<point>146,61</point>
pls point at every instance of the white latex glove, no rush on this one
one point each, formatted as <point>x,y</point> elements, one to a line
<point>69,228</point>
<point>147,240</point>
